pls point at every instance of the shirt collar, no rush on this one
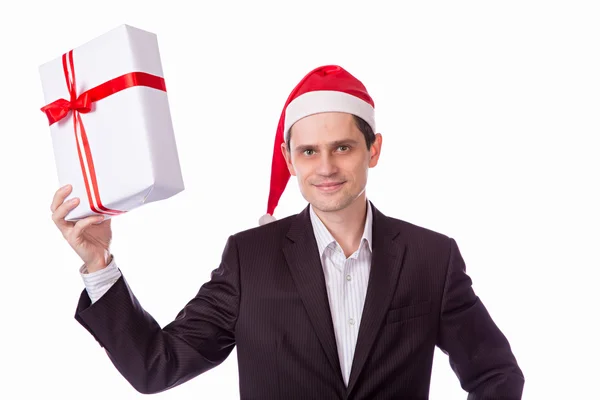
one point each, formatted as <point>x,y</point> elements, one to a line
<point>324,237</point>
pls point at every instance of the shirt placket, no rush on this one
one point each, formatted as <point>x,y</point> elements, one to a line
<point>348,323</point>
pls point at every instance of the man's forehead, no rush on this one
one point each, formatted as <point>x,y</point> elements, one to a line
<point>325,142</point>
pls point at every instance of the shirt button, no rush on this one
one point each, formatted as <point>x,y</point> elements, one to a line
<point>351,321</point>
<point>348,278</point>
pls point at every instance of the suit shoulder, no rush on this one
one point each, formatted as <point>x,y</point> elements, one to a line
<point>418,233</point>
<point>425,244</point>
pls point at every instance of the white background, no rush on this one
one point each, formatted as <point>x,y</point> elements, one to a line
<point>490,117</point>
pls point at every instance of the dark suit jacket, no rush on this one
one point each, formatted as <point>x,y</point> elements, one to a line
<point>268,298</point>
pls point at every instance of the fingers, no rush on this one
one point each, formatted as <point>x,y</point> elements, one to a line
<point>62,209</point>
<point>60,196</point>
<point>81,225</point>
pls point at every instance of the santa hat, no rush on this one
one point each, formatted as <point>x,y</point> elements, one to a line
<point>328,88</point>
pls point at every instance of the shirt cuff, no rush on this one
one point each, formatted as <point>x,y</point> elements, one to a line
<point>97,283</point>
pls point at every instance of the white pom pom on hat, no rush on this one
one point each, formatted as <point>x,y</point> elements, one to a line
<point>265,219</point>
<point>329,88</point>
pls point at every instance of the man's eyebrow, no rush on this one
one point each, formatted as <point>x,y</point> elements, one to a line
<point>336,143</point>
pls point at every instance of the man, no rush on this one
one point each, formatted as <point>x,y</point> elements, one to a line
<point>336,302</point>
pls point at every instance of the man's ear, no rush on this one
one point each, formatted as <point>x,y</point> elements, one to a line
<point>288,158</point>
<point>375,150</point>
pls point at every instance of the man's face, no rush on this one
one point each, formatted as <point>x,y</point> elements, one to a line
<point>329,156</point>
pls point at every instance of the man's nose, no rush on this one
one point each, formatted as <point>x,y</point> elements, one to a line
<point>326,165</point>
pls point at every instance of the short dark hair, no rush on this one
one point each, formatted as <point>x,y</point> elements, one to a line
<point>362,126</point>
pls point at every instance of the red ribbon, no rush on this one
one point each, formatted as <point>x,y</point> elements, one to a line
<point>82,104</point>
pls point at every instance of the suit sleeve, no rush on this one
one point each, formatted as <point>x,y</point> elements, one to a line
<point>153,359</point>
<point>479,353</point>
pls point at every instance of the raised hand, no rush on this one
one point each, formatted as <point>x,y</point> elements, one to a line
<point>90,237</point>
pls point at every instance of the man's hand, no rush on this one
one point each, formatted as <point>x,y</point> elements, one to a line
<point>90,237</point>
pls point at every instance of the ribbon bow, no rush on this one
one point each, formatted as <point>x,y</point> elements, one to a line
<point>59,109</point>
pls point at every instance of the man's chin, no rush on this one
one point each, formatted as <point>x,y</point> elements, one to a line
<point>330,204</point>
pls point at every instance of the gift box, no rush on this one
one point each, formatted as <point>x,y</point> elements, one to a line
<point>112,133</point>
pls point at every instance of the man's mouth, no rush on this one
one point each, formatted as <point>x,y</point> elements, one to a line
<point>330,186</point>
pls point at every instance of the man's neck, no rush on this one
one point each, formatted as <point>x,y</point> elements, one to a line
<point>347,225</point>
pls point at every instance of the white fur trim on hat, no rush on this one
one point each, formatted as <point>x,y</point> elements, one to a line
<point>327,101</point>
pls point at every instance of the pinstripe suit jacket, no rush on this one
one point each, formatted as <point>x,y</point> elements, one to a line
<point>268,298</point>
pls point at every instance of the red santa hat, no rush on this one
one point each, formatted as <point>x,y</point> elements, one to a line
<point>328,88</point>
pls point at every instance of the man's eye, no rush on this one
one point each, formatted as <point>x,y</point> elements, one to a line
<point>344,148</point>
<point>308,152</point>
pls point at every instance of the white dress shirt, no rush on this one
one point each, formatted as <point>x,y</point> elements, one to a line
<point>97,283</point>
<point>346,280</point>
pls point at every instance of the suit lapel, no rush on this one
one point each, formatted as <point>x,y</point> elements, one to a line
<point>303,259</point>
<point>386,262</point>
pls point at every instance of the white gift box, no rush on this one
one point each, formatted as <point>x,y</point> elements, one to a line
<point>118,152</point>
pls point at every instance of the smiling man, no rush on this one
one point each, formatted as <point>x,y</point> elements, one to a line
<point>330,158</point>
<point>338,301</point>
